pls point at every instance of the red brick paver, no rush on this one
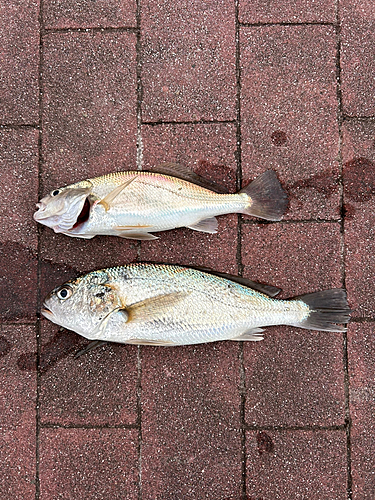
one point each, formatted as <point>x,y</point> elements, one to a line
<point>358,57</point>
<point>89,463</point>
<point>17,413</point>
<point>86,14</point>
<point>19,89</point>
<point>257,11</point>
<point>295,378</point>
<point>89,106</point>
<point>190,422</point>
<point>288,110</point>
<point>362,403</point>
<point>74,392</point>
<point>189,65</point>
<point>359,190</point>
<point>296,464</point>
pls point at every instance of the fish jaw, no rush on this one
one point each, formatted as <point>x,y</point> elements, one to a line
<point>63,211</point>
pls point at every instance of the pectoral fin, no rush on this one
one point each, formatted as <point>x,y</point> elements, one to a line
<point>254,334</point>
<point>206,225</point>
<point>92,345</point>
<point>154,308</point>
<point>107,200</point>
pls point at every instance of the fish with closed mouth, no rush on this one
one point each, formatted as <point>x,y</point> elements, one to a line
<point>134,204</point>
<point>168,305</point>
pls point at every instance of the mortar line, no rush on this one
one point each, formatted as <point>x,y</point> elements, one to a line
<point>187,122</point>
<point>96,29</point>
<point>139,243</point>
<point>242,379</point>
<point>292,428</point>
<point>19,126</point>
<point>39,230</point>
<point>51,425</point>
<point>287,23</point>
<point>290,221</point>
<point>340,115</point>
<point>358,118</point>
<point>139,419</point>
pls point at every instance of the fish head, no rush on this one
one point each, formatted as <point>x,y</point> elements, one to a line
<point>64,207</point>
<point>83,304</point>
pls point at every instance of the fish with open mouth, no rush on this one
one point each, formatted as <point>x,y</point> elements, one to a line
<point>134,204</point>
<point>169,305</point>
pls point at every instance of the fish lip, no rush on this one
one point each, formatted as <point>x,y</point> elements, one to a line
<point>46,312</point>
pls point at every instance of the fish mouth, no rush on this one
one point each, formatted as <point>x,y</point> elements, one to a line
<point>46,312</point>
<point>38,215</point>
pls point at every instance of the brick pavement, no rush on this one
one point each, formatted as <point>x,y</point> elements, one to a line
<point>229,89</point>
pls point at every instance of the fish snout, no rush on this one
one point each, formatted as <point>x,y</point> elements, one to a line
<point>47,313</point>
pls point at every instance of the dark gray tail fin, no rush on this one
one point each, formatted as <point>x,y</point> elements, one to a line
<point>326,309</point>
<point>268,199</point>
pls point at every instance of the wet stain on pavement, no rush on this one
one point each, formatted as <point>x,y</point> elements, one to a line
<point>27,362</point>
<point>279,138</point>
<point>222,174</point>
<point>323,183</point>
<point>18,280</point>
<point>5,346</point>
<point>61,345</point>
<point>348,211</point>
<point>264,443</point>
<point>359,179</point>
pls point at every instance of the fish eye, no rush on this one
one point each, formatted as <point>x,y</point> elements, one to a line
<point>55,192</point>
<point>64,293</point>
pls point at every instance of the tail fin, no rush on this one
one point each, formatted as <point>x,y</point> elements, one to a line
<point>326,308</point>
<point>268,199</point>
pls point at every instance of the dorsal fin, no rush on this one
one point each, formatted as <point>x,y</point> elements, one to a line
<point>184,173</point>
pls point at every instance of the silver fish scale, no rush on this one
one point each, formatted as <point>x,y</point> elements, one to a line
<point>159,201</point>
<point>212,309</point>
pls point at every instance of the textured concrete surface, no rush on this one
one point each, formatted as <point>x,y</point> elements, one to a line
<point>229,89</point>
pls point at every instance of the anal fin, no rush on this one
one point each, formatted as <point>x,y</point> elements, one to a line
<point>255,335</point>
<point>150,342</point>
<point>208,225</point>
<point>131,235</point>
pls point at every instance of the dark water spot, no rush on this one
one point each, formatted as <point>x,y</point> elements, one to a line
<point>323,183</point>
<point>359,179</point>
<point>348,211</point>
<point>27,362</point>
<point>264,442</point>
<point>18,280</point>
<point>279,138</point>
<point>5,346</point>
<point>61,345</point>
<point>222,174</point>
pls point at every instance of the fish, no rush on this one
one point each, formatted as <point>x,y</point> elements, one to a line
<point>135,204</point>
<point>171,305</point>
